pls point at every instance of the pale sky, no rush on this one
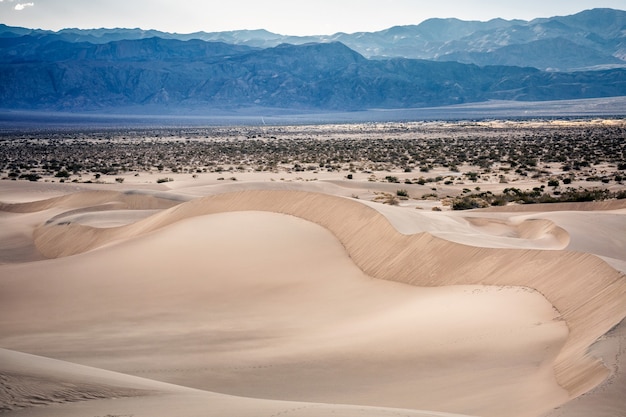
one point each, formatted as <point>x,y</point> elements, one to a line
<point>287,17</point>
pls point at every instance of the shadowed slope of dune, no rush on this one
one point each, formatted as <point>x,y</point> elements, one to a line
<point>31,381</point>
<point>590,295</point>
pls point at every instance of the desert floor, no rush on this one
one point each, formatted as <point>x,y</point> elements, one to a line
<point>234,290</point>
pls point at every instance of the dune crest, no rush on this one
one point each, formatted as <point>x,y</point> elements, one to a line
<point>589,294</point>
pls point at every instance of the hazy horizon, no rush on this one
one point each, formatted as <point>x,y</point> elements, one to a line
<point>324,17</point>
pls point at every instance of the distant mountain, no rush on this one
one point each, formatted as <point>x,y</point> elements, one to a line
<point>588,40</point>
<point>541,54</point>
<point>592,39</point>
<point>38,71</point>
<point>48,48</point>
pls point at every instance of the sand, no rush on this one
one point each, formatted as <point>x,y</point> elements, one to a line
<point>265,298</point>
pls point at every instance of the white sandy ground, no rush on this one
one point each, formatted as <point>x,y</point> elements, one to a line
<point>267,307</point>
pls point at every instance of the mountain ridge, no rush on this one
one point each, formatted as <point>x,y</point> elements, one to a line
<point>62,71</point>
<point>600,32</point>
<point>329,76</point>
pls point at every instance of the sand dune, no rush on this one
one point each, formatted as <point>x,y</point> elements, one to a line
<point>526,229</point>
<point>483,229</point>
<point>417,259</point>
<point>295,320</point>
<point>36,386</point>
<point>16,243</point>
<point>113,295</point>
<point>29,381</point>
<point>112,199</point>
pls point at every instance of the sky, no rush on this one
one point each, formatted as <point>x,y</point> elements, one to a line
<point>287,17</point>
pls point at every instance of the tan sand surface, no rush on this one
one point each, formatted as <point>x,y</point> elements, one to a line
<point>37,386</point>
<point>279,294</point>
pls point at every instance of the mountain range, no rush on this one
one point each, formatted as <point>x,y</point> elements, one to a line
<point>438,62</point>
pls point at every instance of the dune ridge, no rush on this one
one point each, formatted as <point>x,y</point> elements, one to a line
<point>113,199</point>
<point>589,294</point>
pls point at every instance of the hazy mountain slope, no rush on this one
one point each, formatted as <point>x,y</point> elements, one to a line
<point>163,75</point>
<point>540,54</point>
<point>595,39</point>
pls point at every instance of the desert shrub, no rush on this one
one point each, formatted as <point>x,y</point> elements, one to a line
<point>30,177</point>
<point>402,193</point>
<point>468,203</point>
<point>387,198</point>
<point>585,195</point>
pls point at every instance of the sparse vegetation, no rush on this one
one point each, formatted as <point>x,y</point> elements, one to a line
<point>387,198</point>
<point>445,154</point>
<point>402,193</point>
<point>536,195</point>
